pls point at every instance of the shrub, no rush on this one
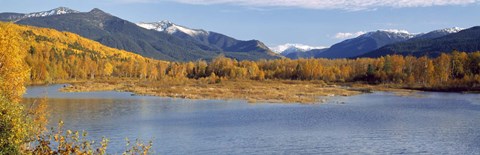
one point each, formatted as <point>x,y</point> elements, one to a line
<point>13,127</point>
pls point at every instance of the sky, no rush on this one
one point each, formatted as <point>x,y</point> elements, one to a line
<point>276,22</point>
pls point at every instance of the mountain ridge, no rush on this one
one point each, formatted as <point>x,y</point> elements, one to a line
<point>364,43</point>
<point>467,40</point>
<point>56,11</point>
<point>210,38</point>
<point>122,34</point>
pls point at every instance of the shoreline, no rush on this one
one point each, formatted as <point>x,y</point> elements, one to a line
<point>252,91</point>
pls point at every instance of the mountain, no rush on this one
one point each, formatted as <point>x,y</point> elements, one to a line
<point>306,54</point>
<point>174,29</point>
<point>362,44</point>
<point>19,16</point>
<point>296,51</point>
<point>288,48</point>
<point>118,33</point>
<point>365,43</point>
<point>232,47</point>
<point>467,40</point>
<point>438,33</point>
<point>8,16</point>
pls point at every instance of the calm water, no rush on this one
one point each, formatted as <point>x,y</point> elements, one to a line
<point>378,123</point>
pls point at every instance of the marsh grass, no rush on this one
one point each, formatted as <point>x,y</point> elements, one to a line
<point>272,91</point>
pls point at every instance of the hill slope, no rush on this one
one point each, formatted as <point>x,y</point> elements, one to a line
<point>54,55</point>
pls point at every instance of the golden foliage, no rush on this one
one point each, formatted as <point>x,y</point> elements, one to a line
<point>54,55</point>
<point>13,71</point>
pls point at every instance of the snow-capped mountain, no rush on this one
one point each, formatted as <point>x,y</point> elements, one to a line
<point>56,11</point>
<point>439,33</point>
<point>390,33</point>
<point>19,16</point>
<point>288,48</point>
<point>451,30</point>
<point>210,39</point>
<point>365,43</point>
<point>434,43</point>
<point>171,28</point>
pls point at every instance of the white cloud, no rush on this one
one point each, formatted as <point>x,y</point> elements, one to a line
<point>331,4</point>
<point>348,35</point>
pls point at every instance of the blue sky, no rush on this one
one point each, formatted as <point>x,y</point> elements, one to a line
<point>275,22</point>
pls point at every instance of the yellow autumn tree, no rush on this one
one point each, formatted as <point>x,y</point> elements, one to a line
<point>107,69</point>
<point>13,74</point>
<point>13,71</point>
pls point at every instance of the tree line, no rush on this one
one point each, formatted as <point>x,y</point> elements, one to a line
<point>458,69</point>
<point>55,56</point>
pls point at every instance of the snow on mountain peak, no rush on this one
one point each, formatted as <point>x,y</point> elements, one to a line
<point>392,33</point>
<point>169,27</point>
<point>159,26</point>
<point>289,48</point>
<point>439,33</point>
<point>56,11</point>
<point>451,30</point>
<point>396,31</point>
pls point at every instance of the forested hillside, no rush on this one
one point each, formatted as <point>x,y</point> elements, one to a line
<point>54,55</point>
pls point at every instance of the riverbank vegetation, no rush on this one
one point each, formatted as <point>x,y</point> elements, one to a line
<point>274,91</point>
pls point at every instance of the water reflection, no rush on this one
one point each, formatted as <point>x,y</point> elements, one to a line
<point>378,123</point>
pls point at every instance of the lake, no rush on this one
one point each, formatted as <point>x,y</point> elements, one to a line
<point>376,123</point>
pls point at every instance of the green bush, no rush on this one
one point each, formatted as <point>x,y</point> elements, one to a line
<point>13,127</point>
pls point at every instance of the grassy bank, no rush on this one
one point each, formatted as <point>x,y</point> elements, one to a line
<point>271,91</point>
<point>283,91</point>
